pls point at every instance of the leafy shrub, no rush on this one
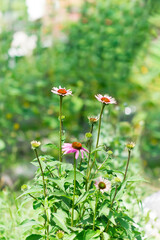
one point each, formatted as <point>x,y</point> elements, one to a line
<point>83,200</point>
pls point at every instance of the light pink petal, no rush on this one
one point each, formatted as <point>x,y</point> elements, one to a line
<point>77,154</point>
<point>82,153</point>
<point>84,149</point>
<point>71,150</point>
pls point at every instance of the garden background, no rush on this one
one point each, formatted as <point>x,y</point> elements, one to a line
<point>91,47</point>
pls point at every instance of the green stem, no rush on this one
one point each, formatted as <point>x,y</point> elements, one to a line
<point>74,191</point>
<point>111,207</point>
<point>99,126</point>
<point>99,130</point>
<point>45,194</point>
<point>89,155</point>
<point>60,130</point>
<point>94,216</point>
<point>94,174</point>
<point>129,156</point>
<point>80,163</point>
<point>42,173</point>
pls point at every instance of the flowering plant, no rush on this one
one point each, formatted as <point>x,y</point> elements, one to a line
<point>80,200</point>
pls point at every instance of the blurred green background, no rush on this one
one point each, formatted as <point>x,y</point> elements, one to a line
<point>91,47</point>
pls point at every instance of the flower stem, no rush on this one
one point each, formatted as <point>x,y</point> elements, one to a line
<point>99,126</point>
<point>89,155</point>
<point>60,130</point>
<point>74,191</point>
<point>111,208</point>
<point>99,130</point>
<point>80,163</point>
<point>45,194</point>
<point>129,156</point>
<point>42,173</point>
<point>94,216</point>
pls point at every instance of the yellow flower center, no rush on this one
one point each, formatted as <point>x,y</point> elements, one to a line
<point>105,99</point>
<point>102,185</point>
<point>62,91</point>
<point>77,145</point>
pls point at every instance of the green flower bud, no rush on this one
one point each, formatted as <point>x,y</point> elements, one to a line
<point>88,135</point>
<point>24,187</point>
<point>109,152</point>
<point>130,145</point>
<point>60,234</point>
<point>117,179</point>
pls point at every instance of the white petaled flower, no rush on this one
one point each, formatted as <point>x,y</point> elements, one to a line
<point>61,91</point>
<point>35,144</point>
<point>105,99</point>
<point>103,184</point>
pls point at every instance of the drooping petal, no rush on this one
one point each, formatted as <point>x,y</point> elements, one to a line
<point>77,154</point>
<point>82,154</point>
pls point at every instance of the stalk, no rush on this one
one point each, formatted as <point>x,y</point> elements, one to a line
<point>74,191</point>
<point>111,207</point>
<point>129,156</point>
<point>89,155</point>
<point>94,217</point>
<point>97,143</point>
<point>45,194</point>
<point>60,130</point>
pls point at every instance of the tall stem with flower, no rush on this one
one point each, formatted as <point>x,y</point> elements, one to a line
<point>92,121</point>
<point>76,148</point>
<point>35,145</point>
<point>74,192</point>
<point>105,100</point>
<point>61,92</point>
<point>60,130</point>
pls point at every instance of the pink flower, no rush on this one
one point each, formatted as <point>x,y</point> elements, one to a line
<point>74,147</point>
<point>61,91</point>
<point>105,99</point>
<point>103,184</point>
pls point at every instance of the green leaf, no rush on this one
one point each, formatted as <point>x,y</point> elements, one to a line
<point>136,179</point>
<point>2,144</point>
<point>50,145</point>
<point>70,236</point>
<point>60,221</point>
<point>70,177</point>
<point>92,235</point>
<point>31,190</point>
<point>105,236</point>
<point>58,182</point>
<point>108,213</point>
<point>34,237</point>
<point>81,199</point>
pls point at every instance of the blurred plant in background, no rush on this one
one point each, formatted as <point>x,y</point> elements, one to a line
<point>102,45</point>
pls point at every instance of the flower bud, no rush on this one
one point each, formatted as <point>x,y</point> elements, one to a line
<point>130,145</point>
<point>93,119</point>
<point>88,135</point>
<point>109,152</point>
<point>60,234</point>
<point>24,187</point>
<point>35,144</point>
<point>116,181</point>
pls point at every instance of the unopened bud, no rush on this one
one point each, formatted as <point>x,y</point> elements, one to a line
<point>88,135</point>
<point>130,145</point>
<point>24,187</point>
<point>109,152</point>
<point>60,234</point>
